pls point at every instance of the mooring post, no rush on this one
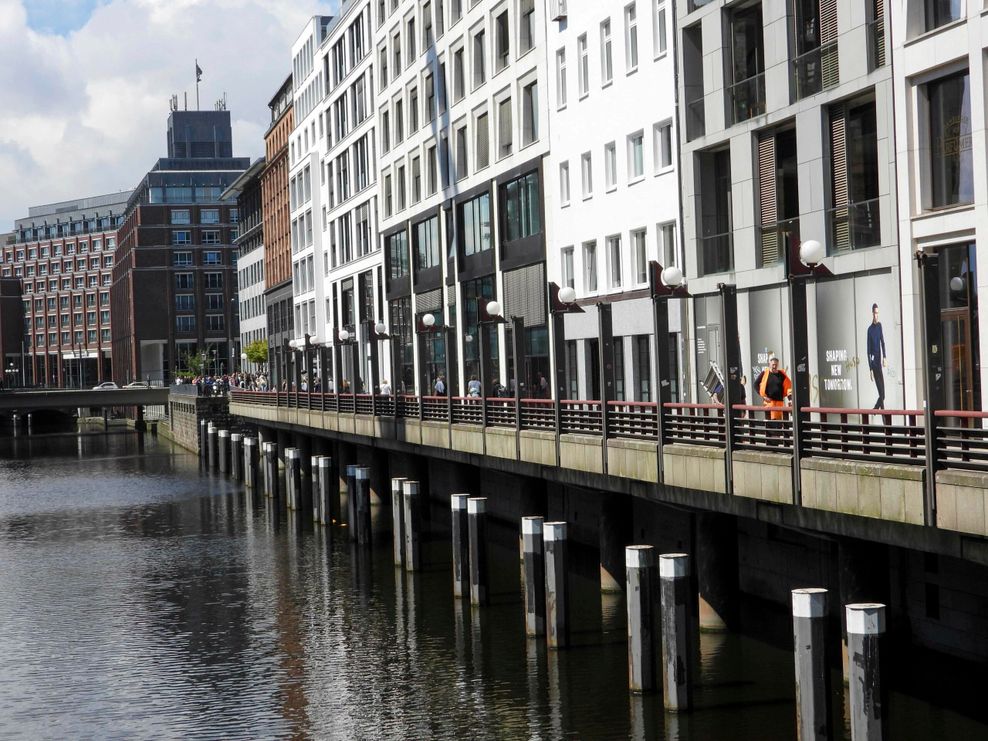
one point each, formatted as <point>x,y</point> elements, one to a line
<point>533,567</point>
<point>865,628</point>
<point>213,434</point>
<point>413,550</point>
<point>326,482</point>
<point>640,574</point>
<point>316,493</point>
<point>556,592</point>
<point>293,477</point>
<point>361,480</point>
<point>398,520</point>
<point>250,462</point>
<point>223,450</point>
<point>678,634</point>
<point>460,528</point>
<point>203,442</point>
<point>809,628</point>
<point>477,519</point>
<point>271,457</point>
<point>351,500</point>
<point>236,456</point>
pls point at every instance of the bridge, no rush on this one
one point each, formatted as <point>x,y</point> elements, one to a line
<point>22,402</point>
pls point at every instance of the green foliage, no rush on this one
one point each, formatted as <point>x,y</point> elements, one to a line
<point>257,351</point>
<point>193,362</point>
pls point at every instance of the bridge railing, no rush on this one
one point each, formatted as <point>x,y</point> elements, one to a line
<point>581,417</point>
<point>768,429</point>
<point>633,419</point>
<point>873,435</point>
<point>435,408</point>
<point>695,424</point>
<point>961,440</point>
<point>467,410</point>
<point>538,414</point>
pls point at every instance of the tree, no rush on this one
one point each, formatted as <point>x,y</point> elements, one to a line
<point>194,363</point>
<point>257,351</point>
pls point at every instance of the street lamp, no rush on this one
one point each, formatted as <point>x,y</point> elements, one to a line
<point>429,326</point>
<point>243,361</point>
<point>344,338</point>
<point>378,334</point>
<point>562,301</point>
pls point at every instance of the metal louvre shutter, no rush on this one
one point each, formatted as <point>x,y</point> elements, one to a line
<point>767,201</point>
<point>838,158</point>
<point>828,42</point>
<point>430,301</point>
<point>879,33</point>
<point>524,294</point>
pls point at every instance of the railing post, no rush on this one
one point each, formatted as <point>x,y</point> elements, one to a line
<point>605,326</point>
<point>929,265</point>
<point>801,377</point>
<point>660,323</point>
<point>732,352</point>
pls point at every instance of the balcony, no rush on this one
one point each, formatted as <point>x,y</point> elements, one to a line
<point>747,98</point>
<point>816,70</point>
<point>695,120</point>
<point>774,239</point>
<point>854,227</point>
<point>716,253</point>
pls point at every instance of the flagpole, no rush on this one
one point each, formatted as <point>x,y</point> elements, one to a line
<point>197,84</point>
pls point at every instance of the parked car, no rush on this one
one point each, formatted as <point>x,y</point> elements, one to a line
<point>138,385</point>
<point>105,386</point>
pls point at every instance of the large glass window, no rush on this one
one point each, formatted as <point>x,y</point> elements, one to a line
<point>951,156</point>
<point>941,12</point>
<point>475,293</point>
<point>521,202</point>
<point>397,249</point>
<point>475,224</point>
<point>426,236</point>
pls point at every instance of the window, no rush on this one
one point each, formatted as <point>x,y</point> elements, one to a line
<point>564,183</point>
<point>776,179</point>
<point>474,218</point>
<point>561,78</point>
<point>426,242</point>
<point>399,123</point>
<point>483,141</point>
<point>396,246</point>
<point>388,204</point>
<point>183,282</point>
<point>214,302</point>
<point>714,238</point>
<point>183,237</point>
<point>427,39</point>
<point>455,11</point>
<point>181,258</point>
<point>951,155</point>
<point>814,38</point>
<point>855,216</point>
<point>215,323</point>
<point>385,131</point>
<point>462,168</point>
<point>431,179</point>
<point>185,323</point>
<point>693,81</point>
<point>636,156</point>
<point>667,244</point>
<point>459,75</point>
<point>610,166</point>
<point>416,179</point>
<point>210,236</point>
<point>746,88</point>
<point>568,279</point>
<point>212,258</point>
<point>662,145</point>
<point>396,55</point>
<point>590,266</point>
<point>501,42</point>
<point>614,261</point>
<point>526,25</point>
<point>185,302</point>
<point>606,57</point>
<point>521,207</point>
<point>529,113</point>
<point>479,63</point>
<point>214,280</point>
<point>639,254</point>
<point>583,59</point>
<point>631,37</point>
<point>430,98</point>
<point>410,35</point>
<point>413,110</point>
<point>504,128</point>
<point>400,186</point>
<point>586,169</point>
<point>383,64</point>
<point>941,12</point>
<point>180,216</point>
<point>659,28</point>
<point>212,215</point>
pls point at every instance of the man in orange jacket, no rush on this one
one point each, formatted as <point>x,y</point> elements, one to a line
<point>774,387</point>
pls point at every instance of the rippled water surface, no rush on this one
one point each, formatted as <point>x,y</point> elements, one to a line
<point>141,598</point>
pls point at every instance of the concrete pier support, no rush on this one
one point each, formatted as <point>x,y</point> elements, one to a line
<point>556,585</point>
<point>533,569</point>
<point>212,435</point>
<point>477,519</point>
<point>412,521</point>
<point>615,534</point>
<point>293,478</point>
<point>223,450</point>
<point>398,520</point>
<point>316,499</point>
<point>271,470</point>
<point>203,441</point>
<point>640,570</point>
<point>237,456</point>
<point>460,528</point>
<point>809,626</point>
<point>250,462</point>
<point>361,505</point>
<point>865,627</point>
<point>351,500</point>
<point>715,563</point>
<point>326,481</point>
<point>678,635</point>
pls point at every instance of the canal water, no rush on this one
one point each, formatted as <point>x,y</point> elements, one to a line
<point>143,598</point>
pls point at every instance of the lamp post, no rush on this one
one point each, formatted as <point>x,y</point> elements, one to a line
<point>562,301</point>
<point>344,338</point>
<point>429,326</point>
<point>243,361</point>
<point>487,314</point>
<point>378,332</point>
<point>664,284</point>
<point>803,261</point>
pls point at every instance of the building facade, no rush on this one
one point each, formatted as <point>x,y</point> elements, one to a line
<point>612,187</point>
<point>63,253</point>
<point>462,134</point>
<point>174,282</point>
<point>251,309</point>
<point>277,229</point>
<point>787,116</point>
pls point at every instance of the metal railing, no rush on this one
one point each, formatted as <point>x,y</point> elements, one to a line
<point>577,417</point>
<point>468,410</point>
<point>774,239</point>
<point>815,70</point>
<point>435,408</point>
<point>766,429</point>
<point>538,414</point>
<point>500,412</point>
<point>962,440</point>
<point>695,424</point>
<point>633,419</point>
<point>716,252</point>
<point>855,226</point>
<point>696,125</point>
<point>866,434</point>
<point>747,97</point>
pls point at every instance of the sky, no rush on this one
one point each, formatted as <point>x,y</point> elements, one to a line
<point>85,85</point>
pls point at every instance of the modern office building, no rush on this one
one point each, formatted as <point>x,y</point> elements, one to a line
<point>277,228</point>
<point>63,254</point>
<point>12,349</point>
<point>252,314</point>
<point>174,281</point>
<point>788,124</point>
<point>938,53</point>
<point>612,188</point>
<point>462,133</point>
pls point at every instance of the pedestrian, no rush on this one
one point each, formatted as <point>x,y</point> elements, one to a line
<point>385,388</point>
<point>440,385</point>
<point>774,387</point>
<point>542,384</point>
<point>473,387</point>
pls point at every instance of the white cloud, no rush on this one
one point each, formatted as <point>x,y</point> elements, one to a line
<point>86,113</point>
